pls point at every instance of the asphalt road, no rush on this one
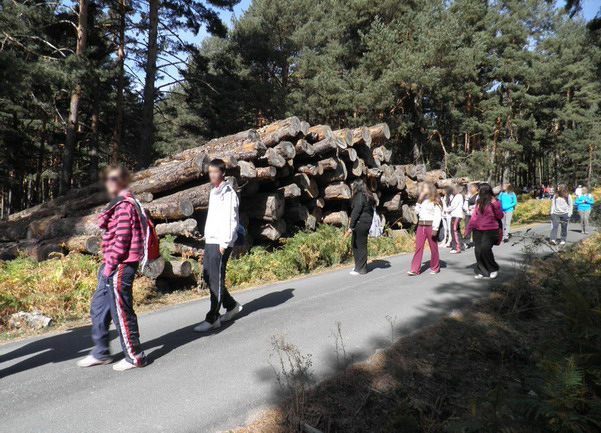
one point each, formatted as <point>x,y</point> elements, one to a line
<point>210,383</point>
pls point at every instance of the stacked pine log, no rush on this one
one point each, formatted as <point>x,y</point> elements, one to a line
<point>288,174</point>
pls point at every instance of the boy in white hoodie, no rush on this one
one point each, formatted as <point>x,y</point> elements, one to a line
<point>221,231</point>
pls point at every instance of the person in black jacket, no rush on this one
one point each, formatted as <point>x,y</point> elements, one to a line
<point>362,203</point>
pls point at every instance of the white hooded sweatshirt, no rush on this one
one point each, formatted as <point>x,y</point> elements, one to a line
<point>221,226</point>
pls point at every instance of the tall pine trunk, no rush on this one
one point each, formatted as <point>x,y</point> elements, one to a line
<point>147,141</point>
<point>118,131</point>
<point>72,121</point>
<point>94,159</point>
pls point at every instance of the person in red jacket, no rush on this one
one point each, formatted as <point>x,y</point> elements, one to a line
<point>485,223</point>
<point>123,249</point>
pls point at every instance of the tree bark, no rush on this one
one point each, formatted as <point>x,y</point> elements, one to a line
<point>265,207</point>
<point>119,103</point>
<point>73,119</point>
<point>338,219</point>
<point>270,232</point>
<point>284,129</point>
<point>361,136</point>
<point>147,131</point>
<point>337,191</point>
<point>172,176</point>
<point>345,135</point>
<point>318,133</point>
<point>187,228</point>
<point>177,269</point>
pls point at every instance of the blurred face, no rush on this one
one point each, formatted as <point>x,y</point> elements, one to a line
<point>115,182</point>
<point>505,187</point>
<point>216,176</point>
<point>584,190</point>
<point>473,189</point>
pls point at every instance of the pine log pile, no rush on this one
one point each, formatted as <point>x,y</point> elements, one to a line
<point>288,174</point>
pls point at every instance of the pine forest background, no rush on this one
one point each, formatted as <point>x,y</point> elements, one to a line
<point>503,90</point>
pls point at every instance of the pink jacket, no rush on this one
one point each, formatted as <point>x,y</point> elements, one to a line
<point>122,241</point>
<point>487,220</point>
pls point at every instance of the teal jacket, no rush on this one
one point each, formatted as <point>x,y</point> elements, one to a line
<point>508,200</point>
<point>584,202</point>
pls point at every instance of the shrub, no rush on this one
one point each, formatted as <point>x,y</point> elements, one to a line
<point>532,210</point>
<point>305,252</point>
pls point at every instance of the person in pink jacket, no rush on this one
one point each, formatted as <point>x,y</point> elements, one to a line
<point>485,224</point>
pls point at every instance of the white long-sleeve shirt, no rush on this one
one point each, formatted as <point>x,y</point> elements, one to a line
<point>429,211</point>
<point>455,209</point>
<point>221,226</point>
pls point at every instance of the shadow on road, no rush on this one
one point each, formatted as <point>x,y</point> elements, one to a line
<point>57,348</point>
<point>180,337</point>
<point>378,264</point>
<point>77,342</point>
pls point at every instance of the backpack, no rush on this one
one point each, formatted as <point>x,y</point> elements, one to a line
<point>241,235</point>
<point>376,229</point>
<point>151,239</point>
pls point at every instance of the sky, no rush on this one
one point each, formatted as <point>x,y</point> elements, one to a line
<point>590,9</point>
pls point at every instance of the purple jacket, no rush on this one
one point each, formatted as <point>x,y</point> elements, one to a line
<point>487,220</point>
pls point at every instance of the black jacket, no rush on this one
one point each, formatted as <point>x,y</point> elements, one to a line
<point>363,211</point>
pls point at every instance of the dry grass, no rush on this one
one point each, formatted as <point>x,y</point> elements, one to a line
<point>63,287</point>
<point>525,360</point>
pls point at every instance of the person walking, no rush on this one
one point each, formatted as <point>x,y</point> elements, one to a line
<point>468,208</point>
<point>485,224</point>
<point>429,213</point>
<point>447,199</point>
<point>584,203</point>
<point>123,248</point>
<point>508,201</point>
<point>455,212</point>
<point>362,214</point>
<point>561,212</point>
<point>221,231</point>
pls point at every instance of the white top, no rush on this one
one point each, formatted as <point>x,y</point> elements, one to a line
<point>455,209</point>
<point>578,191</point>
<point>560,206</point>
<point>222,218</point>
<point>429,211</point>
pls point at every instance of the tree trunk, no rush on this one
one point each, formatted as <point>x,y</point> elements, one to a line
<point>187,228</point>
<point>147,134</point>
<point>177,269</point>
<point>284,129</point>
<point>73,119</point>
<point>265,207</point>
<point>172,176</point>
<point>338,219</point>
<point>119,103</point>
<point>270,232</point>
<point>337,191</point>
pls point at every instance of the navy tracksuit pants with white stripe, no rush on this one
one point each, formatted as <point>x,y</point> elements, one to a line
<point>113,300</point>
<point>214,264</point>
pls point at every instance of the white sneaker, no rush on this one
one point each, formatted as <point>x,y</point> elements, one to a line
<point>207,326</point>
<point>353,272</point>
<point>434,272</point>
<point>229,315</point>
<point>479,277</point>
<point>412,274</point>
<point>562,243</point>
<point>124,365</point>
<point>454,252</point>
<point>91,361</point>
<point>494,274</point>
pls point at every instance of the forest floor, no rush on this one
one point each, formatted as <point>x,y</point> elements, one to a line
<point>525,359</point>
